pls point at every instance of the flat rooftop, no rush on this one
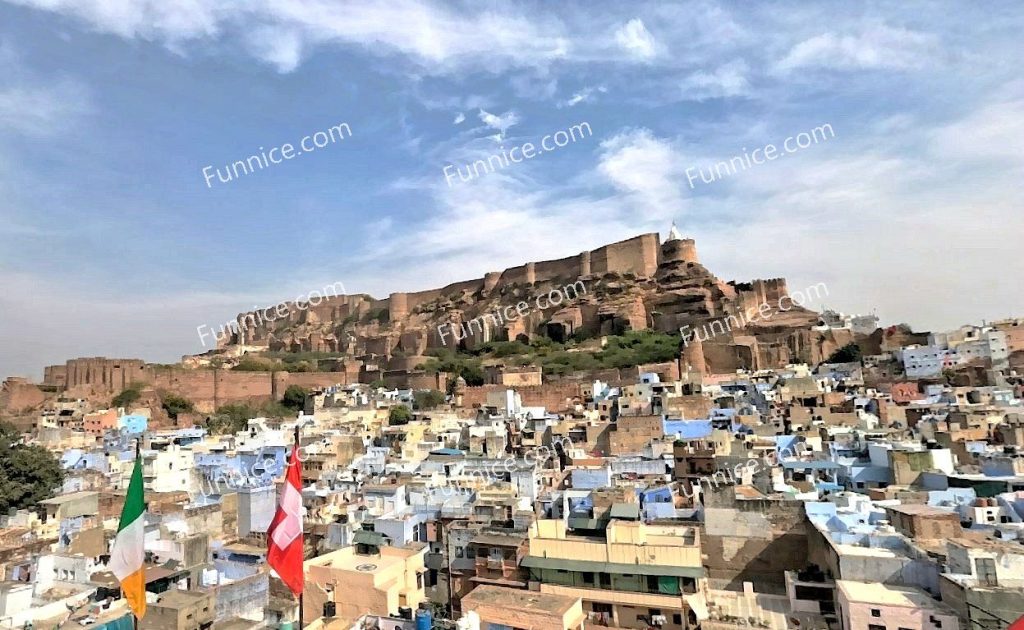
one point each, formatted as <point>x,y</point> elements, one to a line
<point>516,599</point>
<point>345,560</point>
<point>923,510</point>
<point>890,595</point>
<point>180,599</point>
<point>71,496</point>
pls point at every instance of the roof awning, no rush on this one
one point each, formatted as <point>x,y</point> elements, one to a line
<point>363,537</point>
<point>536,562</point>
<point>629,511</point>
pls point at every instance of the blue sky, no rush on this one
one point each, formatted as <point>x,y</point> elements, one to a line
<point>112,244</point>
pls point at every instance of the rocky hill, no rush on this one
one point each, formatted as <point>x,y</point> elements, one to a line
<point>637,284</point>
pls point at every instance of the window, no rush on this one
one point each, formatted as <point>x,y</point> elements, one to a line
<point>677,619</point>
<point>876,613</point>
<point>459,552</point>
<point>875,626</point>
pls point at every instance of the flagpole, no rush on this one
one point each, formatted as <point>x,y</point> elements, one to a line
<point>138,454</point>
<point>296,463</point>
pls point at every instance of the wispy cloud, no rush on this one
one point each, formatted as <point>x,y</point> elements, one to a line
<point>636,40</point>
<point>878,46</point>
<point>646,169</point>
<point>727,80</point>
<point>584,95</point>
<point>434,35</point>
<point>500,123</point>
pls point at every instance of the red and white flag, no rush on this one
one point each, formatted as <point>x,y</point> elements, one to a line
<point>285,532</point>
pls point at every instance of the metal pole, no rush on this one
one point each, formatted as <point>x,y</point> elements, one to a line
<point>296,463</point>
<point>138,456</point>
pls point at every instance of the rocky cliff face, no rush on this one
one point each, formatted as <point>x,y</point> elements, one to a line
<point>635,284</point>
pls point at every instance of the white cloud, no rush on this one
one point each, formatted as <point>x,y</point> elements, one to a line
<point>634,38</point>
<point>434,35</point>
<point>500,123</point>
<point>280,47</point>
<point>920,236</point>
<point>42,109</point>
<point>877,47</point>
<point>459,119</point>
<point>582,96</point>
<point>646,168</point>
<point>147,19</point>
<point>727,80</point>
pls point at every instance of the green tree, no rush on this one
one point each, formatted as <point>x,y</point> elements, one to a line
<point>294,398</point>
<point>427,399</point>
<point>399,414</point>
<point>252,364</point>
<point>846,354</point>
<point>174,404</point>
<point>28,474</point>
<point>230,419</point>
<point>128,396</point>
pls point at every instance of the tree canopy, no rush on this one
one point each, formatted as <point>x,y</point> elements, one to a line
<point>399,414</point>
<point>28,474</point>
<point>848,353</point>
<point>427,399</point>
<point>128,396</point>
<point>174,404</point>
<point>294,397</point>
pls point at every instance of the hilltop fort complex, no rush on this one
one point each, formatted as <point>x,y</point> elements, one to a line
<point>636,284</point>
<point>640,283</point>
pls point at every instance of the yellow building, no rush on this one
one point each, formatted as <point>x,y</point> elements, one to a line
<point>635,576</point>
<point>377,584</point>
